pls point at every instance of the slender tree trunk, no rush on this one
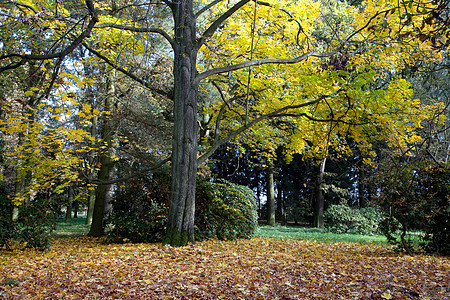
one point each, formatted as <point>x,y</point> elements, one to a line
<point>362,198</point>
<point>319,201</point>
<point>270,195</point>
<point>90,99</point>
<point>69,206</point>
<point>258,198</point>
<point>283,200</point>
<point>103,191</point>
<point>68,217</point>
<point>19,187</point>
<point>91,198</point>
<point>180,228</point>
<point>92,158</point>
<point>76,207</point>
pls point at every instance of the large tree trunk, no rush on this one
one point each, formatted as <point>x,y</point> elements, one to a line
<point>103,191</point>
<point>92,157</point>
<point>362,189</point>
<point>180,229</point>
<point>90,210</point>
<point>270,195</point>
<point>69,205</point>
<point>319,201</point>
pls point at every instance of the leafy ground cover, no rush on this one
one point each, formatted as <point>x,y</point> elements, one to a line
<point>260,268</point>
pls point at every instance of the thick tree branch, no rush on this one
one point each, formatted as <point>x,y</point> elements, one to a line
<point>25,58</point>
<point>214,26</point>
<point>21,4</point>
<point>276,113</point>
<point>138,29</point>
<point>259,62</point>
<point>206,7</point>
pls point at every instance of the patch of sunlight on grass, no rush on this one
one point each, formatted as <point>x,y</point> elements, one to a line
<point>316,234</point>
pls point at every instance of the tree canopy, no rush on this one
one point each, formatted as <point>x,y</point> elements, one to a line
<point>91,85</point>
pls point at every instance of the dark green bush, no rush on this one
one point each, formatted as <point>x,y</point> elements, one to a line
<point>417,197</point>
<point>34,224</point>
<point>374,216</point>
<point>32,227</point>
<point>140,211</point>
<point>225,210</point>
<point>341,218</point>
<point>7,228</point>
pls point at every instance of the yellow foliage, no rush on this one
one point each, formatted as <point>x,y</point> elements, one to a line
<point>342,89</point>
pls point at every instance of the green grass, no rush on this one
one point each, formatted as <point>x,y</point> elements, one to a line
<point>77,227</point>
<point>316,234</point>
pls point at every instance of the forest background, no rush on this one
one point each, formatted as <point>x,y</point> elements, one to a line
<point>164,118</point>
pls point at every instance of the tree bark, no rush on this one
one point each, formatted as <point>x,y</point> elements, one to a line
<point>69,206</point>
<point>75,208</point>
<point>319,201</point>
<point>90,210</point>
<point>180,228</point>
<point>270,195</point>
<point>103,191</point>
<point>92,154</point>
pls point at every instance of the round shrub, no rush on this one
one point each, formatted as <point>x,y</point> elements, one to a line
<point>340,218</point>
<point>35,223</point>
<point>225,210</point>
<point>374,216</point>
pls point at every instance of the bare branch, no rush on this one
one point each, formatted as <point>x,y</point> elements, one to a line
<point>276,113</point>
<point>259,62</point>
<point>366,25</point>
<point>20,4</point>
<point>206,7</point>
<point>25,58</point>
<point>138,29</point>
<point>214,26</point>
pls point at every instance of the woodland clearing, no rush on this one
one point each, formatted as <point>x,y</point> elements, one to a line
<point>259,268</point>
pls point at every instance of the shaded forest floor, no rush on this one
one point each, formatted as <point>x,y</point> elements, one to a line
<point>260,268</point>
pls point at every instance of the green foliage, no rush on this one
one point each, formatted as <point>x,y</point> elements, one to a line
<point>7,230</point>
<point>35,223</point>
<point>418,197</point>
<point>140,211</point>
<point>344,219</point>
<point>374,216</point>
<point>32,227</point>
<point>225,210</point>
<point>316,234</point>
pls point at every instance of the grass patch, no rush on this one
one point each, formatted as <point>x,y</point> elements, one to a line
<point>77,227</point>
<point>316,234</point>
<point>10,282</point>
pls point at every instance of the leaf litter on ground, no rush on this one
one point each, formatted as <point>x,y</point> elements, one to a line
<point>259,268</point>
